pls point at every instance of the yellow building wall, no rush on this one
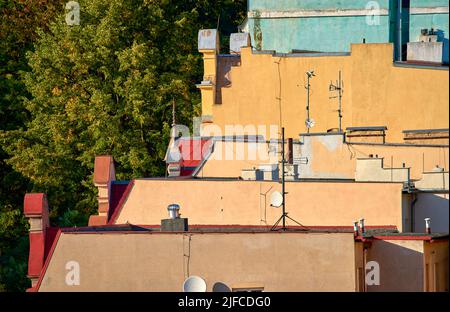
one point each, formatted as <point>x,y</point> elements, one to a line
<point>161,262</point>
<point>328,157</point>
<point>270,90</point>
<point>248,202</point>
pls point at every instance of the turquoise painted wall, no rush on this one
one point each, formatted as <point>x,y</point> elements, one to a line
<point>309,4</point>
<point>428,3</point>
<point>324,34</point>
<point>335,34</point>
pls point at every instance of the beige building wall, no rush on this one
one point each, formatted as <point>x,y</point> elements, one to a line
<point>161,262</point>
<point>373,169</point>
<point>269,90</point>
<point>326,156</point>
<point>329,155</point>
<point>230,158</point>
<point>248,202</point>
<point>401,265</point>
<point>436,266</point>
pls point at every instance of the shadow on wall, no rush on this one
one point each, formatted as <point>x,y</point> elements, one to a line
<point>434,206</point>
<point>441,38</point>
<point>401,268</point>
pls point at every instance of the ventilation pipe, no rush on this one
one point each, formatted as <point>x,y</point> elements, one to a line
<point>361,226</point>
<point>174,223</point>
<point>428,225</point>
<point>174,211</point>
<point>355,228</point>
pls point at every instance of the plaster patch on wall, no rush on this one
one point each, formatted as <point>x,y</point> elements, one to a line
<point>306,152</point>
<point>331,142</point>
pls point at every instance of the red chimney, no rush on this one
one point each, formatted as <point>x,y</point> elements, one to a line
<point>36,210</point>
<point>104,175</point>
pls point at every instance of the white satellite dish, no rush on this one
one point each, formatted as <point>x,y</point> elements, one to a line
<point>310,123</point>
<point>276,199</point>
<point>194,284</point>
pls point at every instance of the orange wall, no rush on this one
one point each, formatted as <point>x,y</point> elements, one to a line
<point>161,262</point>
<point>376,92</point>
<point>248,202</point>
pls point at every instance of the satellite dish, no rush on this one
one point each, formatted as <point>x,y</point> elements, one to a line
<point>194,284</point>
<point>276,199</point>
<point>221,287</point>
<point>310,123</point>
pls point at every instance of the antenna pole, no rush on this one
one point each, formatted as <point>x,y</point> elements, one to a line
<point>174,122</point>
<point>307,102</point>
<point>283,184</point>
<point>340,102</point>
<point>339,87</point>
<point>283,188</point>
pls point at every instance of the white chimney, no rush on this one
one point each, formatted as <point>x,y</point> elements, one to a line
<point>428,225</point>
<point>361,226</point>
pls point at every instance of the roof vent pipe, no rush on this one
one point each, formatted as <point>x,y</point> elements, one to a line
<point>361,226</point>
<point>355,228</point>
<point>428,225</point>
<point>174,211</point>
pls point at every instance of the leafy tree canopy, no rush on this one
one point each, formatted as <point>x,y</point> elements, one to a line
<point>106,86</point>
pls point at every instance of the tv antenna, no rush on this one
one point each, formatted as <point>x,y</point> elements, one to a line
<point>276,201</point>
<point>309,122</point>
<point>174,121</point>
<point>339,87</point>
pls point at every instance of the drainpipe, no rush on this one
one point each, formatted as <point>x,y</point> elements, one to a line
<point>413,204</point>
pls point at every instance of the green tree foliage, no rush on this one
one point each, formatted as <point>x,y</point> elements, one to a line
<point>19,20</point>
<point>105,86</point>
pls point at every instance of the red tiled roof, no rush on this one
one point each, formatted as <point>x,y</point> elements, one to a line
<point>193,152</point>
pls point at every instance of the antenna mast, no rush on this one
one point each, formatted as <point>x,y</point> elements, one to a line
<point>284,214</point>
<point>339,86</point>
<point>309,122</point>
<point>174,121</point>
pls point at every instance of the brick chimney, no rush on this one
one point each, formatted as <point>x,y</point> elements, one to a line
<point>36,210</point>
<point>104,174</point>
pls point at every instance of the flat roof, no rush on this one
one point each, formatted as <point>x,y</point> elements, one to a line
<point>425,130</point>
<point>370,128</point>
<point>226,229</point>
<point>386,235</point>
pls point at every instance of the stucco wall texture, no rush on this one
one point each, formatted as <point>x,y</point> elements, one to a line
<point>328,26</point>
<point>161,262</point>
<point>248,202</point>
<point>270,90</point>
